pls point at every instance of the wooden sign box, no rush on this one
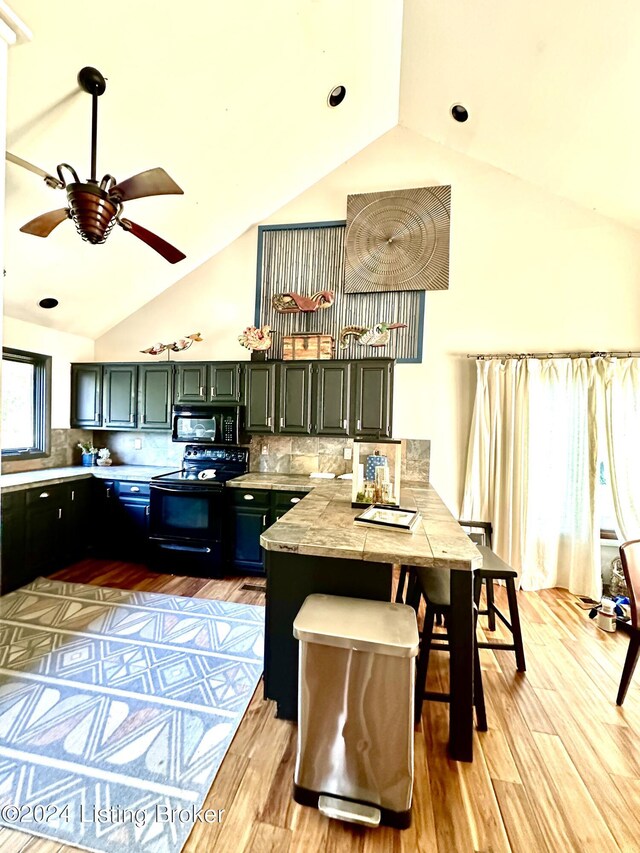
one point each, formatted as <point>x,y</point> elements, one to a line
<point>304,347</point>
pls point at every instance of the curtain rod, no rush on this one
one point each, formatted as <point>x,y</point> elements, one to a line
<point>625,354</point>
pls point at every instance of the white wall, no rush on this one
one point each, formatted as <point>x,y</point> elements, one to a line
<point>63,349</point>
<point>529,272</point>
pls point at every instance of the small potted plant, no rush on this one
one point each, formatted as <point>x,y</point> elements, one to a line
<point>104,456</point>
<point>89,453</point>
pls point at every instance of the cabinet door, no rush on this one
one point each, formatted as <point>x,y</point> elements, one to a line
<point>259,384</point>
<point>86,395</point>
<point>45,522</point>
<point>248,524</point>
<point>332,398</point>
<point>192,383</point>
<point>154,396</point>
<point>14,569</point>
<point>224,383</point>
<point>373,398</point>
<point>295,399</point>
<point>134,526</point>
<point>79,511</point>
<point>120,395</point>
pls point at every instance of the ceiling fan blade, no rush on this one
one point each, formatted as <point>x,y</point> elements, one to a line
<point>168,252</point>
<point>49,179</point>
<point>151,182</point>
<point>44,224</point>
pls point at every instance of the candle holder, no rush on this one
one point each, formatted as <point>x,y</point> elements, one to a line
<point>377,467</point>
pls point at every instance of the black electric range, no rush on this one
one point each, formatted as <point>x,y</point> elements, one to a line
<point>187,510</point>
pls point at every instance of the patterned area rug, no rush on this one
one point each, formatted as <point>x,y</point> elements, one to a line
<point>116,710</point>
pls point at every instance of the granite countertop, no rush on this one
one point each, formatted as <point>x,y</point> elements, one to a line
<point>24,479</point>
<point>279,482</point>
<point>322,525</point>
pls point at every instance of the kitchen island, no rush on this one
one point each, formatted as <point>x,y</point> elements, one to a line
<point>317,548</point>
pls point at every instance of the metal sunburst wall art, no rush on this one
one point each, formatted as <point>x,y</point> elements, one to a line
<point>398,240</point>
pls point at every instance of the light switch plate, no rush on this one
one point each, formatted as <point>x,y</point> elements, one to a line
<point>137,444</point>
<point>265,450</point>
<point>348,453</point>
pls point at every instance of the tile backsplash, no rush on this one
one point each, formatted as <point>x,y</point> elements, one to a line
<point>304,455</point>
<point>64,451</point>
<point>284,454</point>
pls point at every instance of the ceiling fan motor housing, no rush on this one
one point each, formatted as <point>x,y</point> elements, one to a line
<point>93,213</point>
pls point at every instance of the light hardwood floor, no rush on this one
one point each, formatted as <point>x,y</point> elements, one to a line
<point>558,770</point>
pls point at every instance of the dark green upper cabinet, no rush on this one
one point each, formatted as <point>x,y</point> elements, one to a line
<point>295,398</point>
<point>86,395</point>
<point>259,396</point>
<point>207,382</point>
<point>332,398</point>
<point>191,383</point>
<point>154,396</point>
<point>120,395</point>
<point>373,398</point>
<point>224,382</point>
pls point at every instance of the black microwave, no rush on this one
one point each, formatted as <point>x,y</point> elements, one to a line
<point>207,424</point>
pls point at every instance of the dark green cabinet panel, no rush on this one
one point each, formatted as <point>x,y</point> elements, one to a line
<point>45,528</point>
<point>259,394</point>
<point>86,395</point>
<point>120,395</point>
<point>154,396</point>
<point>332,399</point>
<point>80,517</point>
<point>208,382</point>
<point>247,526</point>
<point>373,399</point>
<point>13,570</point>
<point>191,383</point>
<point>295,398</point>
<point>224,383</point>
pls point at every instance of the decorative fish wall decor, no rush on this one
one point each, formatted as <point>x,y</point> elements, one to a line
<point>295,303</point>
<point>174,346</point>
<point>375,336</point>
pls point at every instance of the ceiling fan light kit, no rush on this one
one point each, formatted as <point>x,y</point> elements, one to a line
<point>96,207</point>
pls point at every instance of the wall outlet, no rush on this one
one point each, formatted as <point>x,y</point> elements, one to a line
<point>137,444</point>
<point>265,450</point>
<point>347,453</point>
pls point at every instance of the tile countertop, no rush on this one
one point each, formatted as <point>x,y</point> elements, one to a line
<point>322,525</point>
<point>24,479</point>
<point>279,482</point>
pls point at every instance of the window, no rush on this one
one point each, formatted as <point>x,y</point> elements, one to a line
<point>26,404</point>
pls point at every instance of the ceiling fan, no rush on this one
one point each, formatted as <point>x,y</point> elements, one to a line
<point>96,207</point>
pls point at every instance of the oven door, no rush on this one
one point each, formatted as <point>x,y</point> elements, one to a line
<point>187,514</point>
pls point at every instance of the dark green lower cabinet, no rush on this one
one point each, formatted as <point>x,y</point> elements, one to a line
<point>13,569</point>
<point>124,530</point>
<point>251,512</point>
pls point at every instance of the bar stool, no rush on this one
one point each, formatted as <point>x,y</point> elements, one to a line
<point>493,569</point>
<point>434,586</point>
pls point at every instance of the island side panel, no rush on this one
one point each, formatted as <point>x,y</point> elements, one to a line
<point>290,579</point>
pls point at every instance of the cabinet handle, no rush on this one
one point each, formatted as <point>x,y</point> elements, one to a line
<point>269,421</point>
<point>108,491</point>
<point>344,424</point>
<point>135,488</point>
<point>59,512</point>
<point>358,424</point>
<point>73,495</point>
<point>295,500</point>
<point>213,390</point>
<point>248,497</point>
<point>146,510</point>
<point>44,494</point>
<point>264,520</point>
<point>281,422</point>
<point>202,390</point>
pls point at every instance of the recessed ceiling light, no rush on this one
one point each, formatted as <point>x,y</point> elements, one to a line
<point>336,96</point>
<point>49,302</point>
<point>459,112</point>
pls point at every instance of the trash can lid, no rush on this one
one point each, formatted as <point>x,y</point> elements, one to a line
<point>382,627</point>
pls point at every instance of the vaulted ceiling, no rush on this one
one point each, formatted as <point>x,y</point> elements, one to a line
<point>231,99</point>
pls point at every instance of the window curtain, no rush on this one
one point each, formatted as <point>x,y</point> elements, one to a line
<point>620,388</point>
<point>532,465</point>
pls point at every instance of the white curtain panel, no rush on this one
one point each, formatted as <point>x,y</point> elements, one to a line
<point>531,469</point>
<point>620,387</point>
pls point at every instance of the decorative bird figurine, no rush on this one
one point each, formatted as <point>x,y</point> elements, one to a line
<point>175,346</point>
<point>295,303</point>
<point>376,336</point>
<point>256,339</point>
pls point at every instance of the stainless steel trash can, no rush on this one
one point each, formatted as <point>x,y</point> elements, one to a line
<point>355,709</point>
